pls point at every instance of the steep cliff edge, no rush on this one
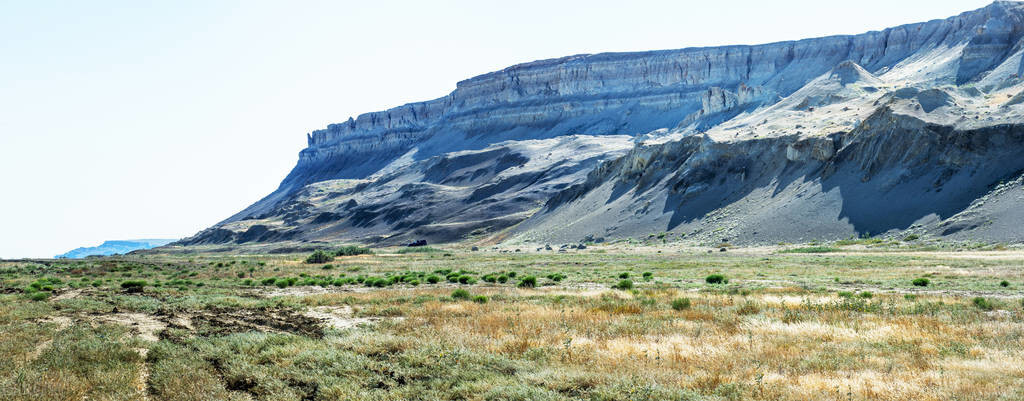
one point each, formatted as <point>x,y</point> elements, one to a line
<point>763,134</point>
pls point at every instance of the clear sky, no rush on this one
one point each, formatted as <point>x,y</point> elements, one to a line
<point>146,119</point>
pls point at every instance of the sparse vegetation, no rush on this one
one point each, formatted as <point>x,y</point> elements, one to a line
<point>810,249</point>
<point>419,249</point>
<point>211,333</point>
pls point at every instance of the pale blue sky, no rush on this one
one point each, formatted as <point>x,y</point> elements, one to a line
<point>138,119</point>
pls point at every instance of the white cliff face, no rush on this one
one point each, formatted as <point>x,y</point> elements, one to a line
<point>715,128</point>
<point>634,93</point>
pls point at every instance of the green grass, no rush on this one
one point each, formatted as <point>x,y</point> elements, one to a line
<point>418,249</point>
<point>352,250</point>
<point>422,337</point>
<point>811,249</point>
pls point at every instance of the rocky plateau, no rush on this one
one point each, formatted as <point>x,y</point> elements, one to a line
<point>913,129</point>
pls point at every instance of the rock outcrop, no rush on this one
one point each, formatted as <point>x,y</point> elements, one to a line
<point>753,136</point>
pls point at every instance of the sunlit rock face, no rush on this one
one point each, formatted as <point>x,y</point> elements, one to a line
<point>774,115</point>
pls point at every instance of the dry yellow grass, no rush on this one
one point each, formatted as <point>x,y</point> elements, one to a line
<point>827,352</point>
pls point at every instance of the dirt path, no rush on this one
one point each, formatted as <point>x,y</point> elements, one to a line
<point>337,317</point>
<point>147,328</point>
<point>62,323</point>
<point>68,295</point>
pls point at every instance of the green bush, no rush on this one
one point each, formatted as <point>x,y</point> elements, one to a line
<point>433,279</point>
<point>845,294</point>
<point>352,250</point>
<point>866,295</point>
<point>480,299</point>
<point>983,303</point>
<point>460,294</point>
<point>328,267</point>
<point>623,285</point>
<point>528,282</point>
<point>268,281</point>
<point>38,296</point>
<point>716,279</point>
<point>320,257</point>
<point>921,282</point>
<point>134,285</point>
<point>502,279</point>
<point>681,303</point>
<point>556,277</point>
<point>624,275</point>
<point>1004,283</point>
<point>648,276</point>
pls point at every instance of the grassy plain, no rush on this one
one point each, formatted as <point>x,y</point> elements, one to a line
<point>807,325</point>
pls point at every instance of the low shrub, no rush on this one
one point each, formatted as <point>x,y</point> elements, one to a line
<point>528,282</point>
<point>921,282</point>
<point>681,303</point>
<point>480,299</point>
<point>1004,283</point>
<point>845,294</point>
<point>320,257</point>
<point>983,303</point>
<point>748,308</point>
<point>502,278</point>
<point>556,277</point>
<point>648,276</point>
<point>623,285</point>
<point>624,275</point>
<point>866,295</point>
<point>352,250</point>
<point>134,285</point>
<point>433,279</point>
<point>460,294</point>
<point>38,296</point>
<point>716,279</point>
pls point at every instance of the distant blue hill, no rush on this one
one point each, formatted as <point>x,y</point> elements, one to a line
<point>116,247</point>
